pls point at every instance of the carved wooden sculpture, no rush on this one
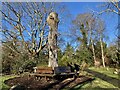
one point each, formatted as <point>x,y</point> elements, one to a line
<point>52,21</point>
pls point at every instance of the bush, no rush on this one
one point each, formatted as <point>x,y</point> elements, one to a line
<point>28,66</point>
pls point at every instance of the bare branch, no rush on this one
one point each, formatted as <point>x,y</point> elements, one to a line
<point>7,16</point>
<point>109,10</point>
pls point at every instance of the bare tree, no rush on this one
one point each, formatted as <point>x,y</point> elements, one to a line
<point>111,6</point>
<point>92,29</point>
<point>24,24</point>
<point>101,30</point>
<point>89,22</point>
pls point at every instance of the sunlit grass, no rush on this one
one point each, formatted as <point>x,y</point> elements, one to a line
<point>2,80</point>
<point>98,84</point>
<point>42,65</point>
<point>107,71</point>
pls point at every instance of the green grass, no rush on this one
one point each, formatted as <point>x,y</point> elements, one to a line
<point>96,84</point>
<point>99,84</point>
<point>42,65</point>
<point>3,78</point>
<point>107,71</point>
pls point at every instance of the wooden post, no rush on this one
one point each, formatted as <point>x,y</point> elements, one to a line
<point>52,21</point>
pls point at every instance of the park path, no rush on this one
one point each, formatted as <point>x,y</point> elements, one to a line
<point>114,81</point>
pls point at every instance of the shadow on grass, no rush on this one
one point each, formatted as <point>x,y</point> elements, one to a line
<point>104,77</point>
<point>79,85</point>
<point>91,88</point>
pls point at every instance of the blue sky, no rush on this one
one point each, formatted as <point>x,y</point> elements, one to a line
<point>111,20</point>
<point>75,8</point>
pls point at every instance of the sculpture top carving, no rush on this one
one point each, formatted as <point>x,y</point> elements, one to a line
<point>52,19</point>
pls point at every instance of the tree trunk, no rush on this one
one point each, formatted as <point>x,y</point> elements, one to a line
<point>102,52</point>
<point>52,21</point>
<point>52,40</point>
<point>93,50</point>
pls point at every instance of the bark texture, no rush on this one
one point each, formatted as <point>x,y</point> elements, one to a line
<point>102,52</point>
<point>93,50</point>
<point>52,21</point>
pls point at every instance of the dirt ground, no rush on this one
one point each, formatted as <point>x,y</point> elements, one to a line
<point>33,83</point>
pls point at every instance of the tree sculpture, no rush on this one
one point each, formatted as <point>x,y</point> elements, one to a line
<point>52,21</point>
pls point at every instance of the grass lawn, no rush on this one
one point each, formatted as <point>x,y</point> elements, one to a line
<point>107,71</point>
<point>96,84</point>
<point>99,84</point>
<point>2,79</point>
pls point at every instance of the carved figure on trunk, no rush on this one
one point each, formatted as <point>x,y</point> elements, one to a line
<point>52,21</point>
